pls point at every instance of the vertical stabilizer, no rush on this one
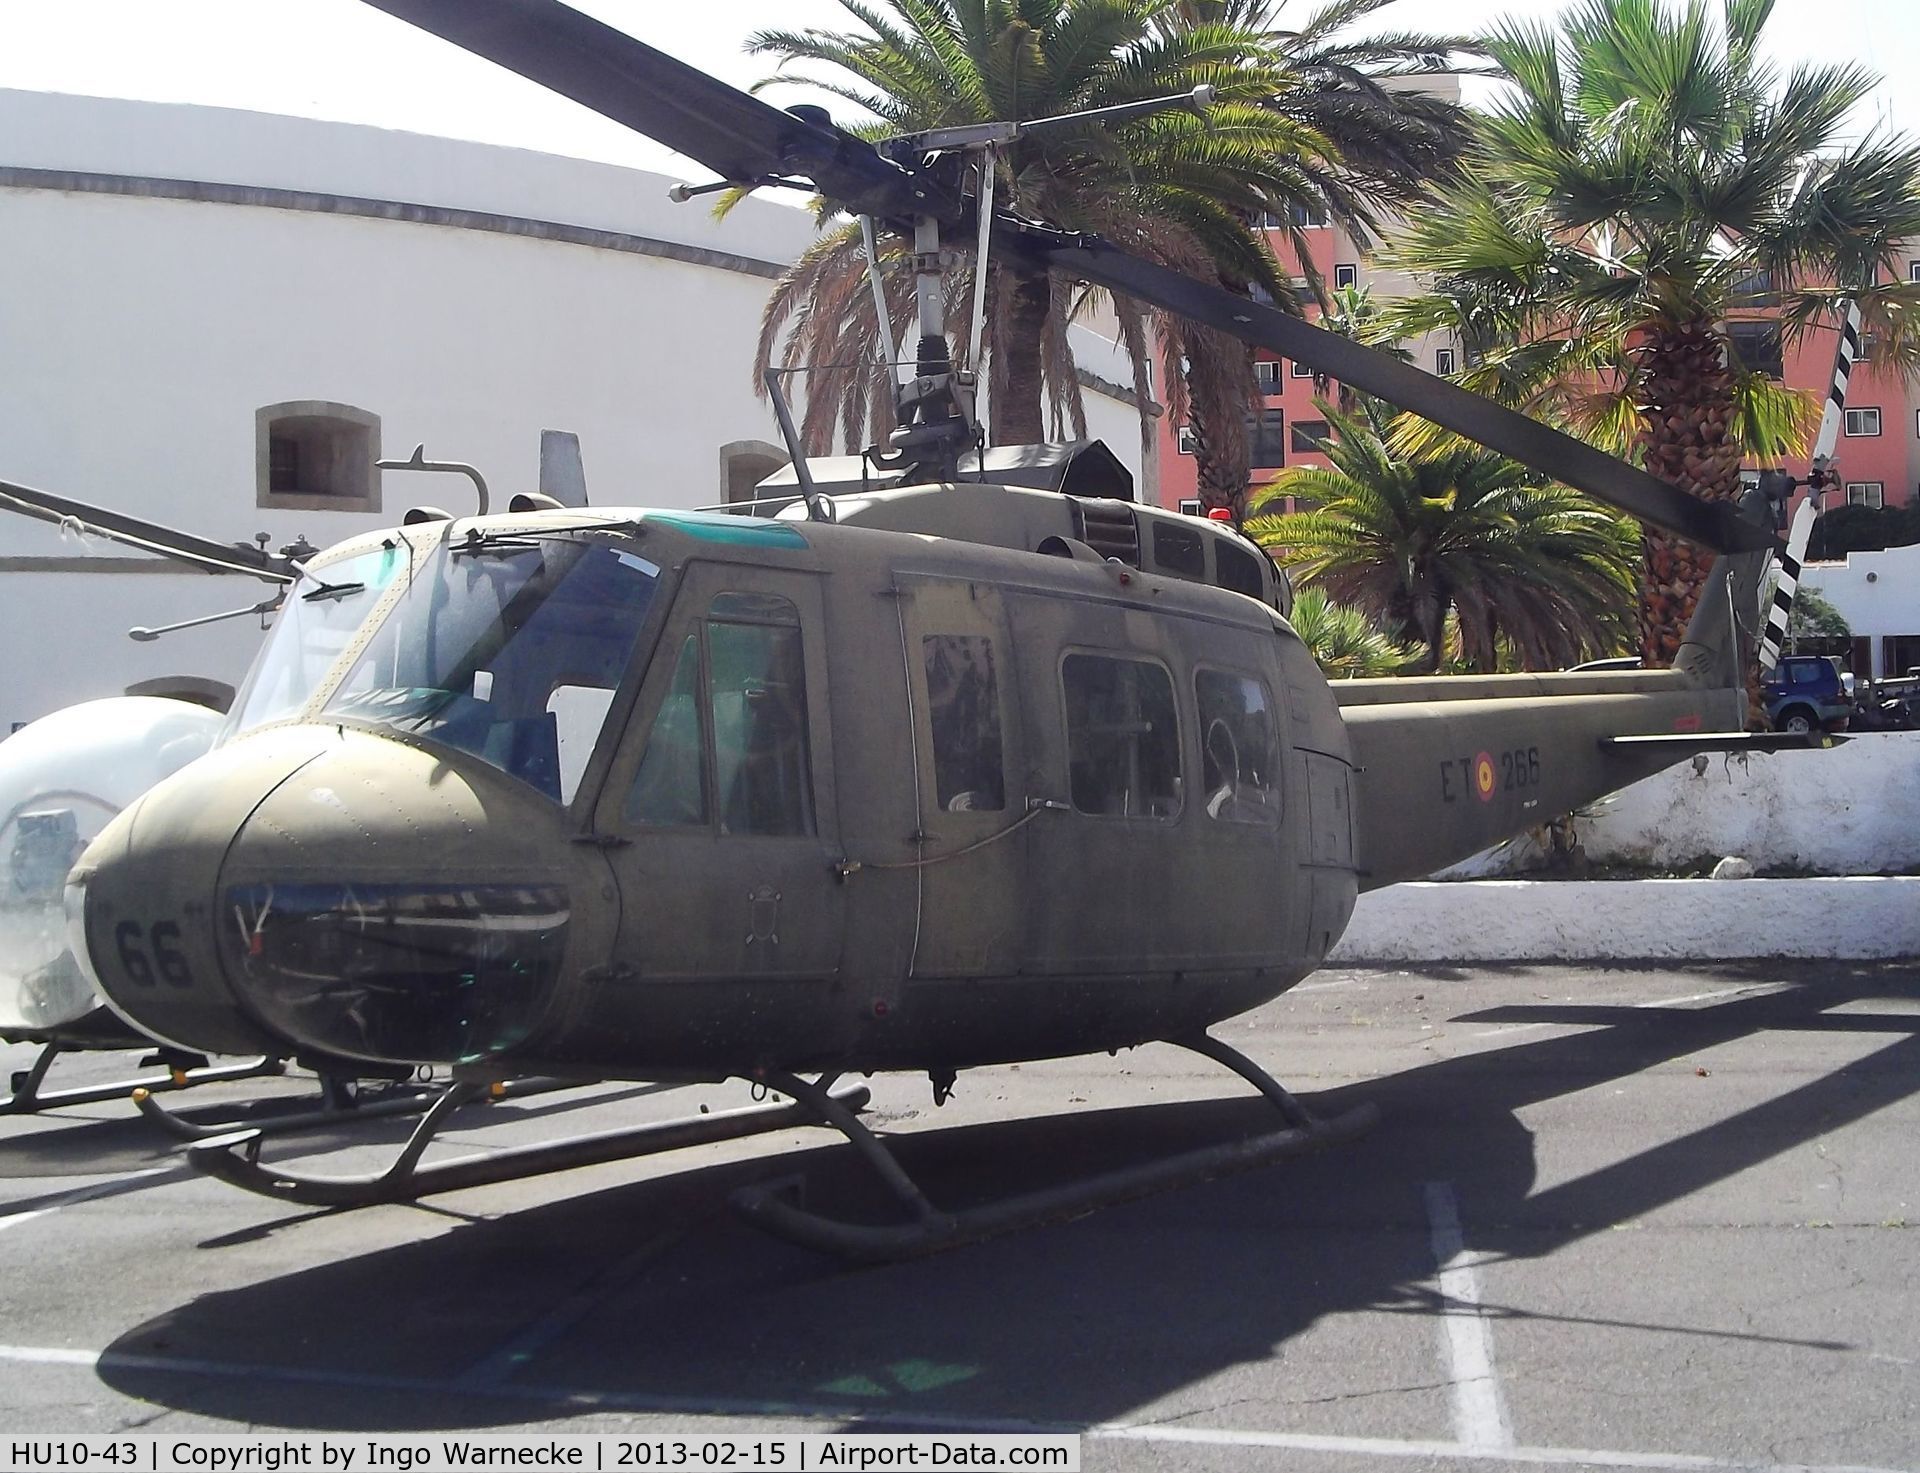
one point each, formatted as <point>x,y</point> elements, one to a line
<point>1721,638</point>
<point>562,474</point>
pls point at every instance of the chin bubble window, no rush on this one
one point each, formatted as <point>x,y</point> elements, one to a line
<point>441,973</point>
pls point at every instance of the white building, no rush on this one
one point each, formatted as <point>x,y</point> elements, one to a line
<point>219,319</point>
<point>1878,594</point>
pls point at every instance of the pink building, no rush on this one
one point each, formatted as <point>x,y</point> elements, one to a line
<point>1878,454</point>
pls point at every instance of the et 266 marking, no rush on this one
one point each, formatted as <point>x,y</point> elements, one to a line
<point>1487,773</point>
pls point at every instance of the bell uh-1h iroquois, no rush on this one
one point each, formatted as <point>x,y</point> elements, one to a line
<point>923,778</point>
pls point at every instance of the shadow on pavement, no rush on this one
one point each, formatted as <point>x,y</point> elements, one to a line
<point>651,1294</point>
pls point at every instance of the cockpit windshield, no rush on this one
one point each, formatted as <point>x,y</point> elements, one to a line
<point>509,648</point>
<point>318,618</point>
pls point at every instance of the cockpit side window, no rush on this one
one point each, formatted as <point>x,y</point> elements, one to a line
<point>670,788</point>
<point>728,746</point>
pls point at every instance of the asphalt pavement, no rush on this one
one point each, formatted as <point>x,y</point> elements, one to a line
<point>1640,1218</point>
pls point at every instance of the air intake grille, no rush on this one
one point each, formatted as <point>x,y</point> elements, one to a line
<point>1109,528</point>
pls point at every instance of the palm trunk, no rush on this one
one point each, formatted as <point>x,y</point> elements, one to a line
<point>1686,434</point>
<point>1221,456</point>
<point>1019,406</point>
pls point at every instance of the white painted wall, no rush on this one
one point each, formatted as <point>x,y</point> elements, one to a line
<point>1852,810</point>
<point>1878,593</point>
<point>138,336</point>
<point>1681,920</point>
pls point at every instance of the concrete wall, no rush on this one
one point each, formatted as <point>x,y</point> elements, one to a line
<point>1598,920</point>
<point>1853,810</point>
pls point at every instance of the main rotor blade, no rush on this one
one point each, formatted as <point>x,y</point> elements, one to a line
<point>737,136</point>
<point>1088,258</point>
<point>147,536</point>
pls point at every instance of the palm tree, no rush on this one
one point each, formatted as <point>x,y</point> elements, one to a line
<point>1172,187</point>
<point>1389,144</point>
<point>1648,179</point>
<point>1526,569</point>
<point>1295,108</point>
<point>1344,641</point>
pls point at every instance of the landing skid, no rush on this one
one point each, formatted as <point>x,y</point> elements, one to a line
<point>339,1105</point>
<point>931,1229</point>
<point>28,1098</point>
<point>235,1157</point>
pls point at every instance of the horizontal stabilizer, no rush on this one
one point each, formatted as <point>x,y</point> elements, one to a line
<point>1723,741</point>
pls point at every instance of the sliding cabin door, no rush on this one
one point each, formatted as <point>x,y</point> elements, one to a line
<point>970,777</point>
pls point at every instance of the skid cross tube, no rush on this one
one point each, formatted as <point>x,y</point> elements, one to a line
<point>29,1099</point>
<point>933,1229</point>
<point>235,1158</point>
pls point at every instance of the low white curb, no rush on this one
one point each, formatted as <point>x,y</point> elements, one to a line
<point>1597,920</point>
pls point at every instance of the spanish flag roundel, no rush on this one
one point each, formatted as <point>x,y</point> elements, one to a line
<point>1483,777</point>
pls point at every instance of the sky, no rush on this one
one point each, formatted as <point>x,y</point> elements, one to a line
<point>343,61</point>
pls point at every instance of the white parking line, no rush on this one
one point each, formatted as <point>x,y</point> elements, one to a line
<point>98,1189</point>
<point>576,1400</point>
<point>1758,990</point>
<point>1479,1410</point>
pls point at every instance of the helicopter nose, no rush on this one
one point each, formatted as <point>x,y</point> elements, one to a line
<point>141,900</point>
<point>387,904</point>
<point>351,894</point>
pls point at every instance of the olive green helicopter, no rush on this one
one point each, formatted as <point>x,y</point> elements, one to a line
<point>963,758</point>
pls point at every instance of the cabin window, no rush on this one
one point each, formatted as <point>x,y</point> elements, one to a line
<point>743,724</point>
<point>1236,747</point>
<point>963,709</point>
<point>756,689</point>
<point>1179,550</point>
<point>671,786</point>
<point>1123,739</point>
<point>1238,569</point>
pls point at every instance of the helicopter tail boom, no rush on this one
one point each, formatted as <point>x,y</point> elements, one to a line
<point>1449,765</point>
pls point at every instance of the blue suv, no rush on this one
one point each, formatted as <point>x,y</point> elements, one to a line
<point>1804,694</point>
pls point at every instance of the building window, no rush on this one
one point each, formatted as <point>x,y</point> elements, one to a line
<point>310,455</point>
<point>1192,506</point>
<point>1267,440</point>
<point>1754,290</point>
<point>1314,214</point>
<point>1913,271</point>
<point>1443,361</point>
<point>1266,373</point>
<point>1183,439</point>
<point>1863,421</point>
<point>1345,276</point>
<point>1866,493</point>
<point>1123,739</point>
<point>1300,370</point>
<point>1309,437</point>
<point>1756,347</point>
<point>744,464</point>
